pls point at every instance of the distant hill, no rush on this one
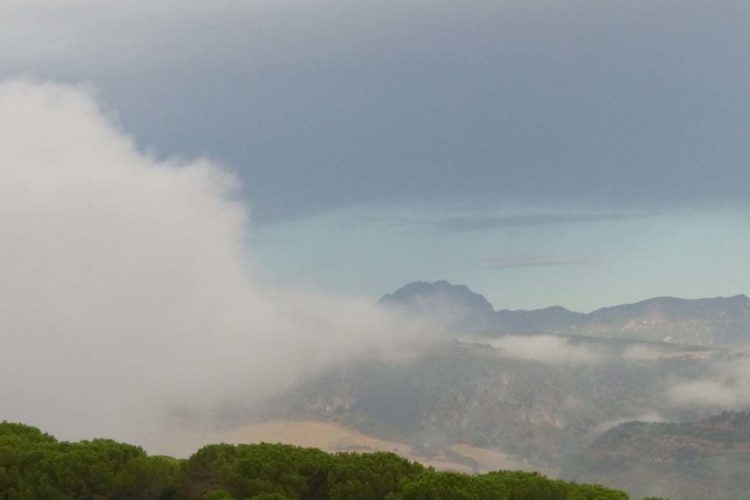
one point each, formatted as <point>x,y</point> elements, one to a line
<point>534,387</point>
<point>720,321</point>
<point>549,319</point>
<point>534,411</point>
<point>697,460</point>
<point>456,306</point>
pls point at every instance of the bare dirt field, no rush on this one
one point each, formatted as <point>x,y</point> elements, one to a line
<point>334,437</point>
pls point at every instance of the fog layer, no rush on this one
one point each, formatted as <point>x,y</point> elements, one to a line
<point>127,293</point>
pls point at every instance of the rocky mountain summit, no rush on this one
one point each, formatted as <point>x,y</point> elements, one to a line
<point>456,306</point>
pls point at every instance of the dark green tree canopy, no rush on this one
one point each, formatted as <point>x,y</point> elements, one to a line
<point>34,465</point>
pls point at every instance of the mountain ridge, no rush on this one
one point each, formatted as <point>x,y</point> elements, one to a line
<point>716,321</point>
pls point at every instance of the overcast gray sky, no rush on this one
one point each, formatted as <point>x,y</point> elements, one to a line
<point>580,152</point>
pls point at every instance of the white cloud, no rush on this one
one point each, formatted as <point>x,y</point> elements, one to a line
<point>127,288</point>
<point>650,417</point>
<point>546,349</point>
<point>727,388</point>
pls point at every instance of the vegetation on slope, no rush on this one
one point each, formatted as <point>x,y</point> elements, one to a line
<point>708,458</point>
<point>455,392</point>
<point>34,465</point>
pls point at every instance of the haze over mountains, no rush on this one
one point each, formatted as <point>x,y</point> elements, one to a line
<point>720,321</point>
<point>201,201</point>
<point>551,389</point>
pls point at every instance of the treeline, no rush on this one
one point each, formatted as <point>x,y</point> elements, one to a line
<point>35,465</point>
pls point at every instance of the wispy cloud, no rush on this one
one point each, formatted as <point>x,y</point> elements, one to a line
<point>547,349</point>
<point>728,388</point>
<point>539,260</point>
<point>490,222</point>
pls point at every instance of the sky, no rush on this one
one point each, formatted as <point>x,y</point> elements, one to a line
<point>580,153</point>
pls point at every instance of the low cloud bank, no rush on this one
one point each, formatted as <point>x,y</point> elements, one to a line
<point>127,290</point>
<point>547,349</point>
<point>728,387</point>
<point>648,417</point>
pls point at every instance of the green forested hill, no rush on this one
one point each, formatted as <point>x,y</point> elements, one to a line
<point>34,465</point>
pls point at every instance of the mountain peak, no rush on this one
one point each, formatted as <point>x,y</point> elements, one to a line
<point>454,305</point>
<point>441,289</point>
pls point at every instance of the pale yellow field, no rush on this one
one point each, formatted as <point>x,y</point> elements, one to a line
<point>489,460</point>
<point>333,437</point>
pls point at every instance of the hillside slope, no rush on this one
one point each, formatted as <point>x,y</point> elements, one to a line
<point>708,458</point>
<point>536,410</point>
